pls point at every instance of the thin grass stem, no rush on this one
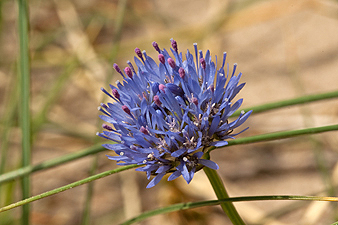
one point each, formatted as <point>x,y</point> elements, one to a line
<point>24,64</point>
<point>290,102</point>
<point>191,205</point>
<point>68,186</point>
<point>50,163</point>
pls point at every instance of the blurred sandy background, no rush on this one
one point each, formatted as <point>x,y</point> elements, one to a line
<point>284,48</point>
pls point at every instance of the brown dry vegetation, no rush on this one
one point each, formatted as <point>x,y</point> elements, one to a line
<point>284,48</point>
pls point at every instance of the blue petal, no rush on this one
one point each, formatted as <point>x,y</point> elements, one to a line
<point>185,173</point>
<point>174,175</point>
<point>155,181</point>
<point>219,143</point>
<point>178,152</point>
<point>209,163</point>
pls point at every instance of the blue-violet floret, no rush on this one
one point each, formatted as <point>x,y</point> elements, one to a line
<point>165,115</point>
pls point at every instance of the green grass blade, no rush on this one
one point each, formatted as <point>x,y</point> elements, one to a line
<point>23,19</point>
<point>191,205</point>
<point>280,135</point>
<point>50,163</point>
<point>290,102</point>
<point>7,121</point>
<point>68,186</point>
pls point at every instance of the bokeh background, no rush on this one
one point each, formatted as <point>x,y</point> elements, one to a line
<point>284,48</point>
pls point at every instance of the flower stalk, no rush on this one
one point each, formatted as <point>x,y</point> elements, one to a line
<point>221,193</point>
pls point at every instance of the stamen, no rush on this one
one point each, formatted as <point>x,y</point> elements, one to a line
<point>185,159</point>
<point>157,100</point>
<point>202,61</point>
<point>174,44</point>
<point>162,87</point>
<point>155,45</point>
<point>144,130</point>
<point>116,93</point>
<point>127,70</point>
<point>161,58</point>
<point>107,127</point>
<point>117,68</point>
<point>181,72</point>
<point>104,106</point>
<point>126,109</point>
<point>172,63</point>
<point>139,53</point>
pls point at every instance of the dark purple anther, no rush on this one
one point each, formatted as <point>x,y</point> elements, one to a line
<point>181,72</point>
<point>116,93</point>
<point>194,100</point>
<point>127,70</point>
<point>107,127</point>
<point>144,130</point>
<point>104,106</point>
<point>174,44</point>
<point>139,53</point>
<point>172,63</point>
<point>202,61</point>
<point>126,109</point>
<point>117,68</point>
<point>157,100</point>
<point>155,45</point>
<point>161,58</point>
<point>162,87</point>
<point>212,88</point>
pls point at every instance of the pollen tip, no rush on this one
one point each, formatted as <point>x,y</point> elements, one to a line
<point>172,63</point>
<point>161,58</point>
<point>127,70</point>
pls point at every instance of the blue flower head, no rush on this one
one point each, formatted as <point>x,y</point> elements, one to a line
<point>165,115</point>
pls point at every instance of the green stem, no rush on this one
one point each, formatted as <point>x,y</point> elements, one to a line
<point>66,187</point>
<point>50,163</point>
<point>289,102</point>
<point>191,205</point>
<point>280,135</point>
<point>7,121</point>
<point>25,99</point>
<point>221,193</point>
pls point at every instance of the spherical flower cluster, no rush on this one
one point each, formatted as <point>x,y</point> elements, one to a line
<point>165,115</point>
